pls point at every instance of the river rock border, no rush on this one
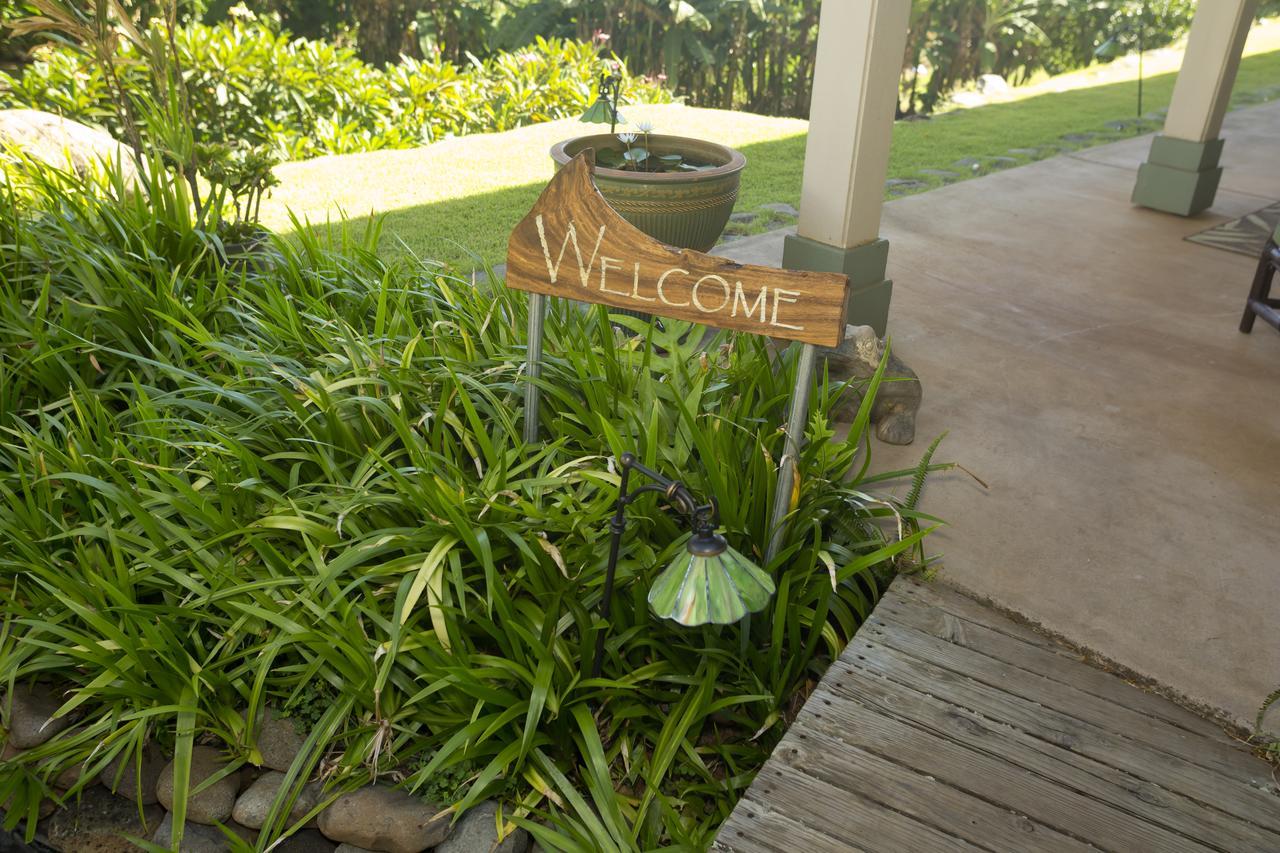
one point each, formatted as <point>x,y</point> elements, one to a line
<point>96,813</point>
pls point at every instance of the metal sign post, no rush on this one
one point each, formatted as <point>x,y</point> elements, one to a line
<point>533,366</point>
<point>797,417</point>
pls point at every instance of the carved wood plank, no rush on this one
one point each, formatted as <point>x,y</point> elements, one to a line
<point>572,244</point>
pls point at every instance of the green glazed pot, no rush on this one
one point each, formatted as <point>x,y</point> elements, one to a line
<point>687,210</point>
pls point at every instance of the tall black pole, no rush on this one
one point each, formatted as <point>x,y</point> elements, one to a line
<point>616,526</point>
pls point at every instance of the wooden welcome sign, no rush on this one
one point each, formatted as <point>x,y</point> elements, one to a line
<point>574,245</point>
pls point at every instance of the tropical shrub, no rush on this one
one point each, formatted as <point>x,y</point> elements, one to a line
<point>251,83</point>
<point>225,183</point>
<point>953,42</point>
<point>754,55</point>
<point>299,481</point>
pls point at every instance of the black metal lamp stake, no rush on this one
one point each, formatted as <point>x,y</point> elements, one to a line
<point>1110,48</point>
<point>1142,48</point>
<point>708,582</point>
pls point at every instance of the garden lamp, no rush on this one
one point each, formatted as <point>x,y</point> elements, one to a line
<point>605,107</point>
<point>708,582</point>
<point>1111,48</point>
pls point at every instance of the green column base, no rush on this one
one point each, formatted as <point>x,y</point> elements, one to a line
<point>869,291</point>
<point>1180,176</point>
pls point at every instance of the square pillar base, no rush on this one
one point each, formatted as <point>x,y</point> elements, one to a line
<point>869,291</point>
<point>1180,176</point>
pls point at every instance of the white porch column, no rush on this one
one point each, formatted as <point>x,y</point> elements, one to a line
<point>855,92</point>
<point>1181,173</point>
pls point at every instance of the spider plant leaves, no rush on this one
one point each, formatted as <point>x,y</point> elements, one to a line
<point>430,579</point>
<point>183,745</point>
<point>303,485</point>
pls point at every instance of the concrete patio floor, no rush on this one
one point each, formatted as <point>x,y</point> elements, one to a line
<point>1085,360</point>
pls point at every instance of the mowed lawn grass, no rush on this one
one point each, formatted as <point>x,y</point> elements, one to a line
<point>461,197</point>
<point>456,201</point>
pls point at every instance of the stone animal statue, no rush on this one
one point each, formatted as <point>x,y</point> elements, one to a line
<point>897,402</point>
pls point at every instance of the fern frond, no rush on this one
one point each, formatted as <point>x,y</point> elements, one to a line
<point>1266,705</point>
<point>921,474</point>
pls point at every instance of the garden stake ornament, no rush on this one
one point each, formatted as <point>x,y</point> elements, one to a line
<point>707,583</point>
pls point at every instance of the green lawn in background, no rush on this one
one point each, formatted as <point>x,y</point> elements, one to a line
<point>460,198</point>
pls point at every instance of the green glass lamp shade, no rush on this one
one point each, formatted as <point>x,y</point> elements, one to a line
<point>601,112</point>
<point>709,582</point>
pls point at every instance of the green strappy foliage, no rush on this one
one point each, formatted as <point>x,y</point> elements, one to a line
<point>297,479</point>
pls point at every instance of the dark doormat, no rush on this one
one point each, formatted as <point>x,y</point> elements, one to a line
<point>1246,235</point>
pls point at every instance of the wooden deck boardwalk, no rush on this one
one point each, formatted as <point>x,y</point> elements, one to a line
<point>948,726</point>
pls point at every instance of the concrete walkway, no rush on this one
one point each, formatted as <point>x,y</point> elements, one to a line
<point>1086,362</point>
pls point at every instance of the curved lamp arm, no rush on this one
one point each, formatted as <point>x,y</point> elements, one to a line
<point>740,586</point>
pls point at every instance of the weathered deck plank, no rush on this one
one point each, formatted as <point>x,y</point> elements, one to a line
<point>1065,702</point>
<point>974,625</point>
<point>947,725</point>
<point>925,798</point>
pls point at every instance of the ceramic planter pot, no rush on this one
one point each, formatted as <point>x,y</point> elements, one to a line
<point>252,249</point>
<point>684,209</point>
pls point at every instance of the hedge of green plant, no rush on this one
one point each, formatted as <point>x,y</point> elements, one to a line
<point>252,84</point>
<point>297,479</point>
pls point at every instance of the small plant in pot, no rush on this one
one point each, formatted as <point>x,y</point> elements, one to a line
<point>674,188</point>
<point>239,178</point>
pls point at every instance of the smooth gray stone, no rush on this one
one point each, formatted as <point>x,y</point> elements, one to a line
<point>254,804</point>
<point>781,207</point>
<point>279,740</point>
<point>387,819</point>
<point>61,142</point>
<point>214,803</point>
<point>32,722</point>
<point>972,165</point>
<point>475,832</point>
